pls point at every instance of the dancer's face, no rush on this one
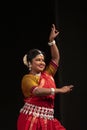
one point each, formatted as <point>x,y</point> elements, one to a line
<point>38,64</point>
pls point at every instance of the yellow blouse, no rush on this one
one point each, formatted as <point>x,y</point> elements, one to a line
<point>30,80</point>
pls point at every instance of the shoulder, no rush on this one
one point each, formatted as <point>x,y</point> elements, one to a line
<point>51,68</point>
<point>30,80</point>
<point>26,78</point>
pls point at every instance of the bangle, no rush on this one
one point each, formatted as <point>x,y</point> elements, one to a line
<point>51,43</point>
<point>52,91</point>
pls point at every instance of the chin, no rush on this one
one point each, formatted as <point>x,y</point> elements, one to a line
<point>41,70</point>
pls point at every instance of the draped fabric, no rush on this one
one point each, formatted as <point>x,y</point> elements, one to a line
<point>33,123</point>
<point>30,117</point>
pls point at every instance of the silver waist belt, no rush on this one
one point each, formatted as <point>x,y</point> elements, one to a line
<point>38,111</point>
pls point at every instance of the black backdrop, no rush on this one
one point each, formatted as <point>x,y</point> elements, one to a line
<point>27,25</point>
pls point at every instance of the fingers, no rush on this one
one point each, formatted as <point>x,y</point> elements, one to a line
<point>53,25</point>
<point>69,88</point>
<point>54,29</point>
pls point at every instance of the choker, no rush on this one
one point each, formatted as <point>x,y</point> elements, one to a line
<point>38,74</point>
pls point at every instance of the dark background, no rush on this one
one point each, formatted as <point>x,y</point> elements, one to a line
<point>26,25</point>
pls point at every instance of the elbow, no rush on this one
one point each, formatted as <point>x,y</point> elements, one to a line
<point>56,60</point>
<point>36,92</point>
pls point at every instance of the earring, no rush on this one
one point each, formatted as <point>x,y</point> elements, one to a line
<point>29,65</point>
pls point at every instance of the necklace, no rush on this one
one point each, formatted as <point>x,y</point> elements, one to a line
<point>36,77</point>
<point>37,74</point>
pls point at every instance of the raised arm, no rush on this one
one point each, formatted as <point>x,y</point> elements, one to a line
<point>52,43</point>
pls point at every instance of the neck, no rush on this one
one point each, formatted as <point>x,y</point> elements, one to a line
<point>34,73</point>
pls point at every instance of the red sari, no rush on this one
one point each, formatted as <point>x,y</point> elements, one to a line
<point>38,111</point>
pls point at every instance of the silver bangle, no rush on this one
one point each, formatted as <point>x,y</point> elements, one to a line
<point>52,91</point>
<point>51,43</point>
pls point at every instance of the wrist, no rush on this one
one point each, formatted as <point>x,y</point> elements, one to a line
<point>58,90</point>
<point>52,91</point>
<point>51,43</point>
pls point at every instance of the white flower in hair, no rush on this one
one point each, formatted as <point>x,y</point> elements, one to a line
<point>25,60</point>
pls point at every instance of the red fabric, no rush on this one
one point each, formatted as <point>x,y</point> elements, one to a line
<point>29,122</point>
<point>54,64</point>
<point>26,122</point>
<point>45,101</point>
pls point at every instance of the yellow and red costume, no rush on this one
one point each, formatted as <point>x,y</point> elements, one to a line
<point>38,111</point>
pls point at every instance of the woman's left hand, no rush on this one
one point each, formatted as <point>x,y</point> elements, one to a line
<point>66,89</point>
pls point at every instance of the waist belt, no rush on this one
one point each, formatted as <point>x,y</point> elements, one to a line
<point>37,111</point>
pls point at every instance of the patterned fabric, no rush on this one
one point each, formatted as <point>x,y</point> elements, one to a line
<point>37,112</point>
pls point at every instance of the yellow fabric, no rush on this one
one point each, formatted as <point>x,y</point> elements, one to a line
<point>28,82</point>
<point>51,69</point>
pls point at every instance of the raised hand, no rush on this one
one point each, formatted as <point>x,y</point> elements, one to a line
<point>54,32</point>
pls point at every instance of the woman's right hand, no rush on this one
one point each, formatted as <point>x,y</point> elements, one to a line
<point>54,32</point>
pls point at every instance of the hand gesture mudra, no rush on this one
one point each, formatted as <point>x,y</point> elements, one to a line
<point>54,32</point>
<point>66,89</point>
